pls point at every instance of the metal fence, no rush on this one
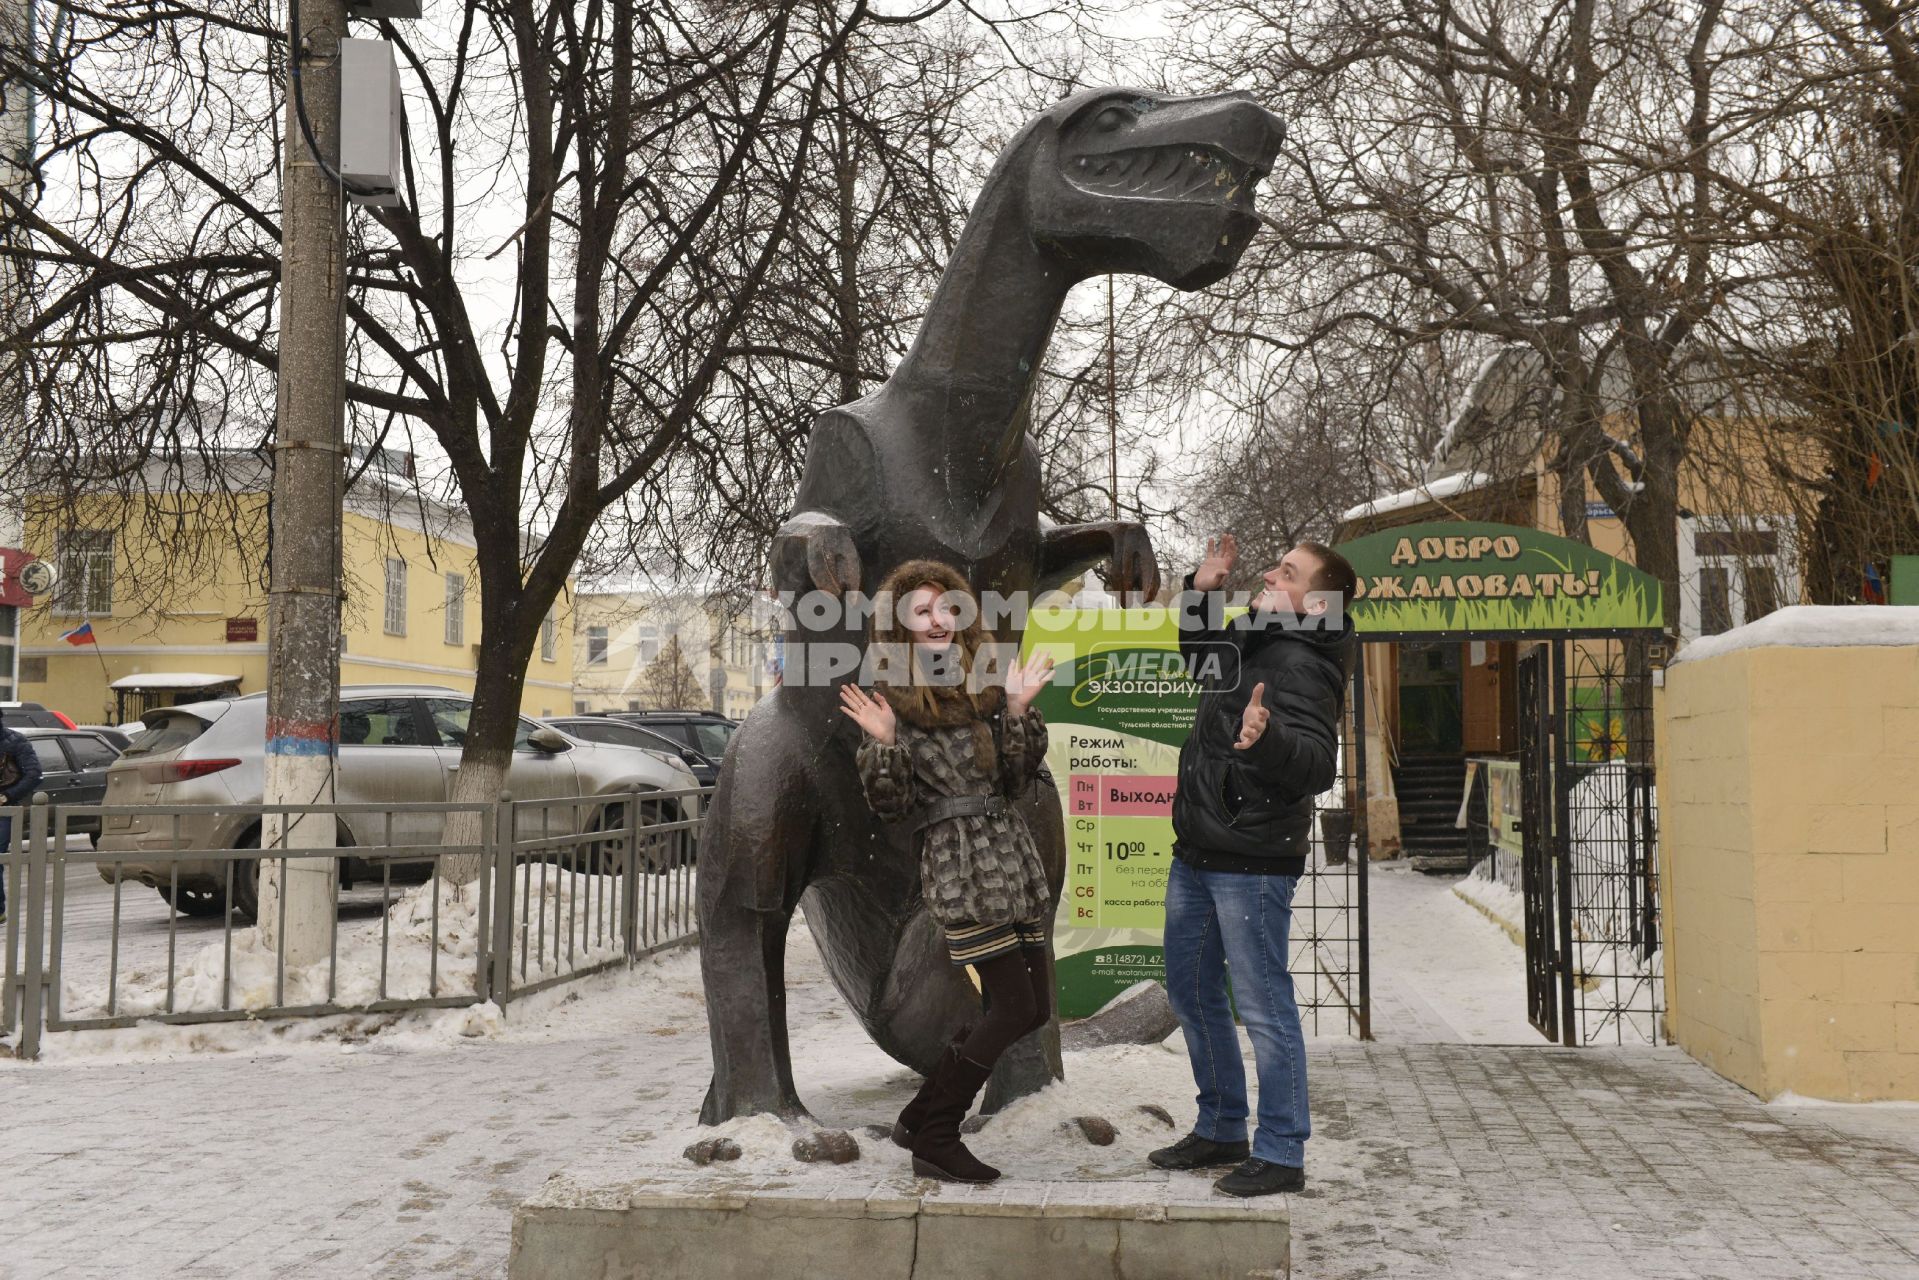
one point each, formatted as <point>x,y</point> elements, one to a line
<point>432,906</point>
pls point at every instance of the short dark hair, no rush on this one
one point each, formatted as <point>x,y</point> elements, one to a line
<point>1335,573</point>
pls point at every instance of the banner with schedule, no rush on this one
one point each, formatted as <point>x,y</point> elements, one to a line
<point>1117,712</point>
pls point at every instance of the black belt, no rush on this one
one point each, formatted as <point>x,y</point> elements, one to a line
<point>957,807</point>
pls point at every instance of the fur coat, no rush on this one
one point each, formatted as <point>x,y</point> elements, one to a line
<point>974,869</point>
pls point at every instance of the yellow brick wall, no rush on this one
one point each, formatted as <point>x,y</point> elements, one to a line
<point>1789,816</point>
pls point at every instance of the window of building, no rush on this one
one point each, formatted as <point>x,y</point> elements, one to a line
<point>456,608</point>
<point>549,638</point>
<point>649,641</point>
<point>1734,570</point>
<point>596,646</point>
<point>86,572</point>
<point>395,596</point>
<point>582,708</point>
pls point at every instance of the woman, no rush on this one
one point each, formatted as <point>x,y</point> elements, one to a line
<point>946,750</point>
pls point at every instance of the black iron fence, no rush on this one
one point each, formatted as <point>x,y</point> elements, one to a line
<point>445,905</point>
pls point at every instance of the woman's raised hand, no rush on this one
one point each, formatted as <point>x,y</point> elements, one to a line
<point>871,714</point>
<point>1024,682</point>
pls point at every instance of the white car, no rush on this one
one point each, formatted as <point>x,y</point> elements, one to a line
<point>398,744</point>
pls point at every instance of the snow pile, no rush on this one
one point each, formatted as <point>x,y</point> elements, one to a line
<point>1035,1137</point>
<point>563,921</point>
<point>1813,626</point>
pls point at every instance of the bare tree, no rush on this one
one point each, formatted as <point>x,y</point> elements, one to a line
<point>635,178</point>
<point>1827,353</point>
<point>1467,177</point>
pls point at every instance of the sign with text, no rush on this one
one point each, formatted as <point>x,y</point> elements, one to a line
<point>1469,577</point>
<point>1117,712</point>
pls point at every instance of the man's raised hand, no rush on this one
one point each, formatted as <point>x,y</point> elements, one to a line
<point>1221,554</point>
<point>1253,723</point>
<point>875,715</point>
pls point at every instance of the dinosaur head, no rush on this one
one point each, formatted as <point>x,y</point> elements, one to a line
<point>1125,180</point>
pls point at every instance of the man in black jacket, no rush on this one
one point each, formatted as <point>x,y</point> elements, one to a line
<point>20,773</point>
<point>1264,742</point>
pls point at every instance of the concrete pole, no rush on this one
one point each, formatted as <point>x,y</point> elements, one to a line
<point>303,609</point>
<point>16,159</point>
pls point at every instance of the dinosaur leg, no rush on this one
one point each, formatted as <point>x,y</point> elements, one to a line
<point>755,851</point>
<point>885,954</point>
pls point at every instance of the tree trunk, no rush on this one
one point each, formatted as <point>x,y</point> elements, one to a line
<point>487,753</point>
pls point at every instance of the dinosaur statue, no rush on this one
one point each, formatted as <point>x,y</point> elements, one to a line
<point>936,462</point>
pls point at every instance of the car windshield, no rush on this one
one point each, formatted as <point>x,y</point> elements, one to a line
<point>711,736</point>
<point>169,733</point>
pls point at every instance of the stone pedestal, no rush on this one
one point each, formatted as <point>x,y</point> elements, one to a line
<point>823,1227</point>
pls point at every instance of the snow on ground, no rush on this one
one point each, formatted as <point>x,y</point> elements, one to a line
<point>1443,972</point>
<point>1621,989</point>
<point>567,922</point>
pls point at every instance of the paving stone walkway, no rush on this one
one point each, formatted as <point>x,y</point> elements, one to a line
<point>1467,1161</point>
<point>403,1155</point>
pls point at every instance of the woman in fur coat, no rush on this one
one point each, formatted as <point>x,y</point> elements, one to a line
<point>947,746</point>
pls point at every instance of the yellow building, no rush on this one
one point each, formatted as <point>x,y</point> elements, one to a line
<point>173,584</point>
<point>683,648</point>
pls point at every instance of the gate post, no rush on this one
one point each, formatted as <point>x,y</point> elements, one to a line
<point>1363,845</point>
<point>1571,1027</point>
<point>501,840</point>
<point>33,990</point>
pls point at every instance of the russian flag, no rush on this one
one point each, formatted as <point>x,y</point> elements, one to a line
<point>82,634</point>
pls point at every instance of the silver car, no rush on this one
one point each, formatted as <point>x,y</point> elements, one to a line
<point>399,744</point>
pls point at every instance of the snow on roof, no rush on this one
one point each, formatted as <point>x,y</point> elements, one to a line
<point>1431,491</point>
<point>1813,626</point>
<point>173,680</point>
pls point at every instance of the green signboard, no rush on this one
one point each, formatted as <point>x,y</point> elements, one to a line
<point>1473,578</point>
<point>1115,722</point>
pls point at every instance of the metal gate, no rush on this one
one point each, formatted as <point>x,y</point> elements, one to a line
<point>1329,939</point>
<point>1589,833</point>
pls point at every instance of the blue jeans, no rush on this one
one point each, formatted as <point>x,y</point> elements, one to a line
<point>1221,920</point>
<point>6,870</point>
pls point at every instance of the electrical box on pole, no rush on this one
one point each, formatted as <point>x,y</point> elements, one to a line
<point>371,112</point>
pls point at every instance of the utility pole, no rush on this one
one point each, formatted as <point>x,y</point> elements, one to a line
<point>303,608</point>
<point>17,25</point>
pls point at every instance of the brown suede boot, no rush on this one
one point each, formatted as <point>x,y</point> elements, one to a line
<point>913,1115</point>
<point>937,1149</point>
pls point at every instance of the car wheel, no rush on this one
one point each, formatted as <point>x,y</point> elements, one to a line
<point>196,902</point>
<point>246,879</point>
<point>660,852</point>
<point>656,850</point>
<point>246,872</point>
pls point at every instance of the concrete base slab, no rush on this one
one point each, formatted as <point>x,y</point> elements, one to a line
<point>706,1227</point>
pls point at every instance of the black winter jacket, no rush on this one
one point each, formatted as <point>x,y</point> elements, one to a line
<point>1252,810</point>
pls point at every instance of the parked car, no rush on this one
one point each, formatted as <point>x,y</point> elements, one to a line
<point>31,715</point>
<point>73,765</point>
<point>707,732</point>
<point>120,739</point>
<point>398,744</point>
<point>626,733</point>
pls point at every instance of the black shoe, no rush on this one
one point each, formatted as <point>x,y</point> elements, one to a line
<point>1195,1152</point>
<point>1262,1178</point>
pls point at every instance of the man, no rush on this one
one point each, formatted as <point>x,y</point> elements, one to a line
<point>1263,744</point>
<point>19,775</point>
